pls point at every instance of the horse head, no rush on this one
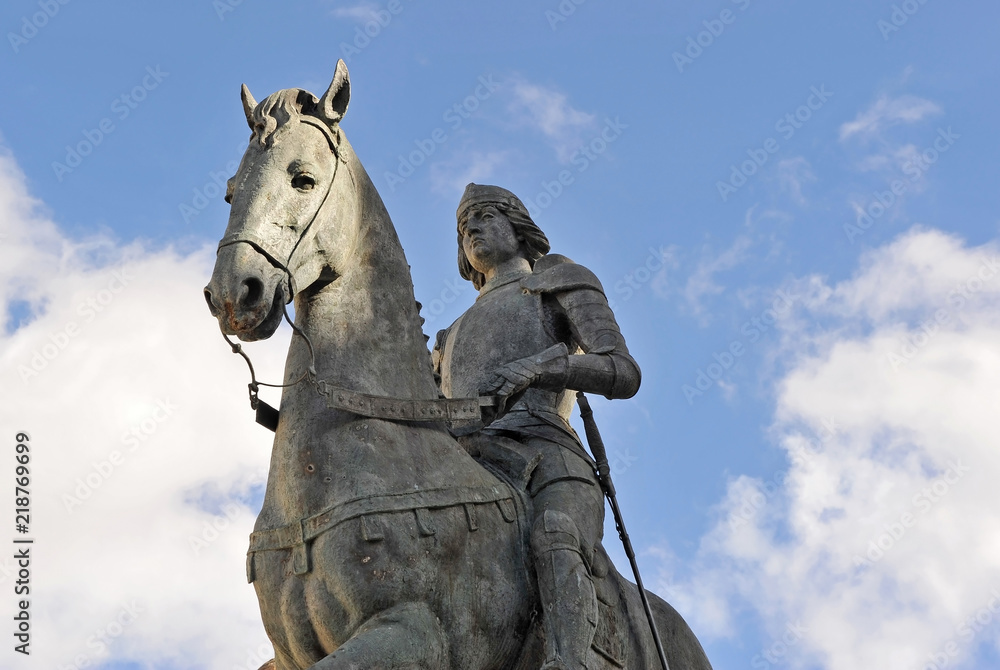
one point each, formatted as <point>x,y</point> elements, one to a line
<point>293,174</point>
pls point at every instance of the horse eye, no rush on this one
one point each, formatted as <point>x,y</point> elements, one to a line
<point>303,182</point>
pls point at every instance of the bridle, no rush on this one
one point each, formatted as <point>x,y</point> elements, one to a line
<point>333,138</point>
<point>464,414</point>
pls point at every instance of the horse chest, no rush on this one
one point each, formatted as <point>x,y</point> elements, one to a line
<point>310,472</point>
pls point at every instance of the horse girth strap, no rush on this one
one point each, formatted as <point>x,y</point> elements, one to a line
<point>296,536</point>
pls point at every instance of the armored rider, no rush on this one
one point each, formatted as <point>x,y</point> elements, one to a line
<point>540,329</point>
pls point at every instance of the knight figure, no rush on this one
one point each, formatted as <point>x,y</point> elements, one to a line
<point>540,329</point>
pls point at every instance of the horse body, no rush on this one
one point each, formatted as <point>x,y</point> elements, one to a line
<point>381,543</point>
<point>417,569</point>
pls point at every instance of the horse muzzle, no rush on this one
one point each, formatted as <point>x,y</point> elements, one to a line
<point>248,302</point>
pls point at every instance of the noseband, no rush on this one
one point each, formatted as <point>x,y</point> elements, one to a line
<point>258,243</point>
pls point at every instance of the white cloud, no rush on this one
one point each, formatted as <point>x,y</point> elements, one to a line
<point>137,409</point>
<point>550,113</point>
<point>363,11</point>
<point>792,174</point>
<point>886,112</point>
<point>881,537</point>
<point>702,281</point>
<point>896,165</point>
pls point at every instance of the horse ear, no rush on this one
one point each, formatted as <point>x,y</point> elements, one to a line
<point>249,104</point>
<point>333,104</point>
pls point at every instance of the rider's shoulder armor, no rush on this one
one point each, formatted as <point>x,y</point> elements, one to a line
<point>554,273</point>
<point>581,297</point>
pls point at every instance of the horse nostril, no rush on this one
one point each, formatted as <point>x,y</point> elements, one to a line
<point>211,305</point>
<point>253,290</point>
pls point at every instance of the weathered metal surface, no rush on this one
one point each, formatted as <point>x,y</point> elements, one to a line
<point>440,578</point>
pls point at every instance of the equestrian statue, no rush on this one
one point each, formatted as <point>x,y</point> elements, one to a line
<point>423,510</point>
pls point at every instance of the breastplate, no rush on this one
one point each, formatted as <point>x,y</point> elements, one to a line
<point>502,326</point>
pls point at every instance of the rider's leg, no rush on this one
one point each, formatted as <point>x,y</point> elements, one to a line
<point>406,637</point>
<point>568,523</point>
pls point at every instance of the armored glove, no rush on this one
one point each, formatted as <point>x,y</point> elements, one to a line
<point>548,370</point>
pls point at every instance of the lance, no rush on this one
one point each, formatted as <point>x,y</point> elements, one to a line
<point>607,486</point>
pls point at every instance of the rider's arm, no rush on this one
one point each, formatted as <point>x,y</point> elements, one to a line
<point>605,366</point>
<point>591,355</point>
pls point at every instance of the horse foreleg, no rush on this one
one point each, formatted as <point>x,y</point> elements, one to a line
<point>406,637</point>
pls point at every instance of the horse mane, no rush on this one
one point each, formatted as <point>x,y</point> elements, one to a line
<point>279,109</point>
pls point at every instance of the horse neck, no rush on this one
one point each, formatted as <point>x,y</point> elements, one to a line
<point>364,326</point>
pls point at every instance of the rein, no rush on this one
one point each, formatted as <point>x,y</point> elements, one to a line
<point>465,412</point>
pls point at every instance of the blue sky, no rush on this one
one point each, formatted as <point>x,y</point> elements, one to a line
<point>792,208</point>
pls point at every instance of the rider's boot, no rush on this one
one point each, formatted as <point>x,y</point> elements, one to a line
<point>569,602</point>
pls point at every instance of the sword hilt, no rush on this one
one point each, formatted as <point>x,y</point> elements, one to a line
<point>596,443</point>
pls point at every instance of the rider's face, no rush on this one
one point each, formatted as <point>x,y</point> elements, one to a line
<point>488,238</point>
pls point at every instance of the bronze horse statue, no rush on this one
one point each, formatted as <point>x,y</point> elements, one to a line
<point>381,543</point>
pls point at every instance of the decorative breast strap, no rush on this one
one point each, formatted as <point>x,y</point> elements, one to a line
<point>296,536</point>
<point>404,409</point>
